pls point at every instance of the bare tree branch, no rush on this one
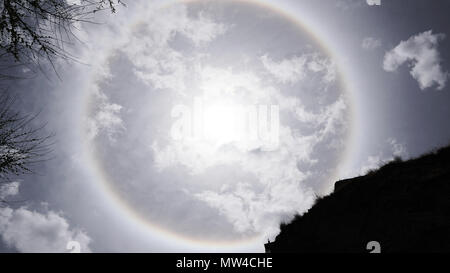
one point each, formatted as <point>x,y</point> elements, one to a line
<point>22,145</point>
<point>35,30</point>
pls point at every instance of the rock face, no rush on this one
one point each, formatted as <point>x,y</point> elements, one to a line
<point>403,206</point>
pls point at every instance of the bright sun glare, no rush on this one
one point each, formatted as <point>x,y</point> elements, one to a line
<point>220,124</point>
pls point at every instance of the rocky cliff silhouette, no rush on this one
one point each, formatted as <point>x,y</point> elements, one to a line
<point>403,206</point>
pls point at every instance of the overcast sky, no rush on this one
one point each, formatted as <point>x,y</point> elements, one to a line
<point>355,85</point>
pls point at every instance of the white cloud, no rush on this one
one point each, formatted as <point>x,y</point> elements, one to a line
<point>286,71</point>
<point>260,212</point>
<point>106,118</point>
<point>148,46</point>
<point>421,53</point>
<point>31,231</point>
<point>295,69</point>
<point>155,62</point>
<point>198,155</point>
<point>202,30</point>
<point>370,43</point>
<point>324,65</point>
<point>348,4</point>
<point>373,2</point>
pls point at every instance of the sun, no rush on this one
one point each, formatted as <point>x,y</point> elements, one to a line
<point>221,123</point>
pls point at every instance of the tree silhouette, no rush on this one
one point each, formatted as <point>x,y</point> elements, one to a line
<point>36,30</point>
<point>22,144</point>
<point>33,31</point>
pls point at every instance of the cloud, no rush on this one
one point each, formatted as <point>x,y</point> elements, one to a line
<point>348,4</point>
<point>202,29</point>
<point>9,189</point>
<point>295,69</point>
<point>148,46</point>
<point>106,118</point>
<point>421,53</point>
<point>286,71</point>
<point>248,210</point>
<point>30,231</point>
<point>280,191</point>
<point>325,65</point>
<point>370,43</point>
<point>373,2</point>
<point>373,162</point>
<point>155,62</point>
